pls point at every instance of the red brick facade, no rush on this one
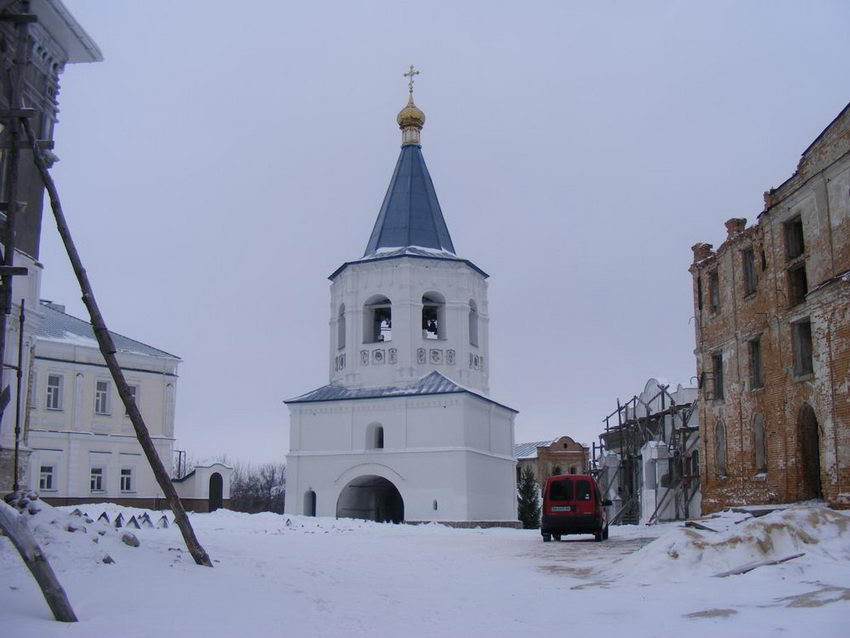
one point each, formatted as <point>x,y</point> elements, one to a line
<point>772,308</point>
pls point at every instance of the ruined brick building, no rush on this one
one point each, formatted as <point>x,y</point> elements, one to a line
<point>772,309</point>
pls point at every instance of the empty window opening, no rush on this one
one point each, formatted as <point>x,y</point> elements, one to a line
<point>433,316</point>
<point>720,449</point>
<point>556,471</point>
<point>803,361</point>
<point>435,505</point>
<point>340,328</point>
<point>717,374</point>
<point>473,323</point>
<point>54,392</point>
<point>713,291</point>
<point>375,437</point>
<point>127,479</point>
<point>377,320</point>
<point>573,470</point>
<point>795,244</point>
<point>699,293</point>
<point>749,265</point>
<point>756,379</point>
<point>763,261</point>
<point>45,477</point>
<point>798,286</point>
<point>759,444</point>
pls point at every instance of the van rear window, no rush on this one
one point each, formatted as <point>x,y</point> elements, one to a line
<point>582,490</point>
<point>561,490</point>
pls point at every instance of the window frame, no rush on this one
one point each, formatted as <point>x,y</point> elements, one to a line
<point>107,407</point>
<point>804,357</point>
<point>57,395</point>
<point>50,475</point>
<point>97,471</point>
<point>130,476</point>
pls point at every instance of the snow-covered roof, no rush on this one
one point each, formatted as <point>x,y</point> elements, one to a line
<point>529,450</point>
<point>61,327</point>
<point>433,383</point>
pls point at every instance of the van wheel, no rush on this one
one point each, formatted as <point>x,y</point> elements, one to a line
<point>557,537</point>
<point>547,538</point>
<point>605,534</point>
<point>598,536</point>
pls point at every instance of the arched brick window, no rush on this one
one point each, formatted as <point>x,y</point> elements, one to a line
<point>720,449</point>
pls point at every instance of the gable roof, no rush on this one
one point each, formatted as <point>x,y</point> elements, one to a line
<point>61,327</point>
<point>430,384</point>
<point>529,450</point>
<point>410,214</point>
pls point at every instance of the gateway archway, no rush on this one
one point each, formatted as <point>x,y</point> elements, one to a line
<point>216,492</point>
<point>372,498</point>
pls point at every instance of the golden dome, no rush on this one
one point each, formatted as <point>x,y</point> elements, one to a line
<point>411,115</point>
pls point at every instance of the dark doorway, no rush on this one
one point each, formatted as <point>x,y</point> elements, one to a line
<point>216,492</point>
<point>810,486</point>
<point>309,503</point>
<point>371,498</point>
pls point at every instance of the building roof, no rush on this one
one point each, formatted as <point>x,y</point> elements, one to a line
<point>410,214</point>
<point>408,251</point>
<point>55,17</point>
<point>529,450</point>
<point>58,326</point>
<point>433,383</point>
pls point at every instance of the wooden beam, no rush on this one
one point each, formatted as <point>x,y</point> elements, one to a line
<point>36,562</point>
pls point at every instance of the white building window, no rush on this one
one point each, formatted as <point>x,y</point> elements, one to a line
<point>134,392</point>
<point>54,391</point>
<point>127,479</point>
<point>45,477</point>
<point>96,479</point>
<point>101,397</point>
<point>340,328</point>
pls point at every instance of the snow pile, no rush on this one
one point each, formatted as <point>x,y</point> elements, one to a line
<point>62,534</point>
<point>821,534</point>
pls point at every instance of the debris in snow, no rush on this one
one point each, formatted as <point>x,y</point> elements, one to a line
<point>104,517</point>
<point>743,569</point>
<point>133,523</point>
<point>128,538</point>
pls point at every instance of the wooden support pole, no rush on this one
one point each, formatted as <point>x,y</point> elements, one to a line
<point>36,562</point>
<point>107,349</point>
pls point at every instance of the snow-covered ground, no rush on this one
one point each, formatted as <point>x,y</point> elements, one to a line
<point>294,576</point>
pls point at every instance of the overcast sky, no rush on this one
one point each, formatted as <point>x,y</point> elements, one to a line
<point>224,159</point>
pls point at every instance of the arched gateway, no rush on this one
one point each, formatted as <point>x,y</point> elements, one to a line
<point>809,435</point>
<point>372,498</point>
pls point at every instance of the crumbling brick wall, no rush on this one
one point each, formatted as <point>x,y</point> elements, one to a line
<point>802,460</point>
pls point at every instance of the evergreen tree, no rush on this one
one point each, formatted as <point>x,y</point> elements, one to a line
<point>529,499</point>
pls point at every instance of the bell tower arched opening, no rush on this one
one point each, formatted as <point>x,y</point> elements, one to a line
<point>433,316</point>
<point>377,319</point>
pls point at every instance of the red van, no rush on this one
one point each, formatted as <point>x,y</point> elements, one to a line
<point>572,505</point>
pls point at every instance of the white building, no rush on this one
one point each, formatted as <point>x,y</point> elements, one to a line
<point>405,430</point>
<point>83,445</point>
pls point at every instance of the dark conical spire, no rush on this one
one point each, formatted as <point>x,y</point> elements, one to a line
<point>410,214</point>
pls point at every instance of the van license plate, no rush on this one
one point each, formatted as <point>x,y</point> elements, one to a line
<point>562,508</point>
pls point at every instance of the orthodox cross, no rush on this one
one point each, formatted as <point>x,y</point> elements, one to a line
<point>411,74</point>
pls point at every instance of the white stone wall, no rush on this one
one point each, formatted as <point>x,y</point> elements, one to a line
<point>454,449</point>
